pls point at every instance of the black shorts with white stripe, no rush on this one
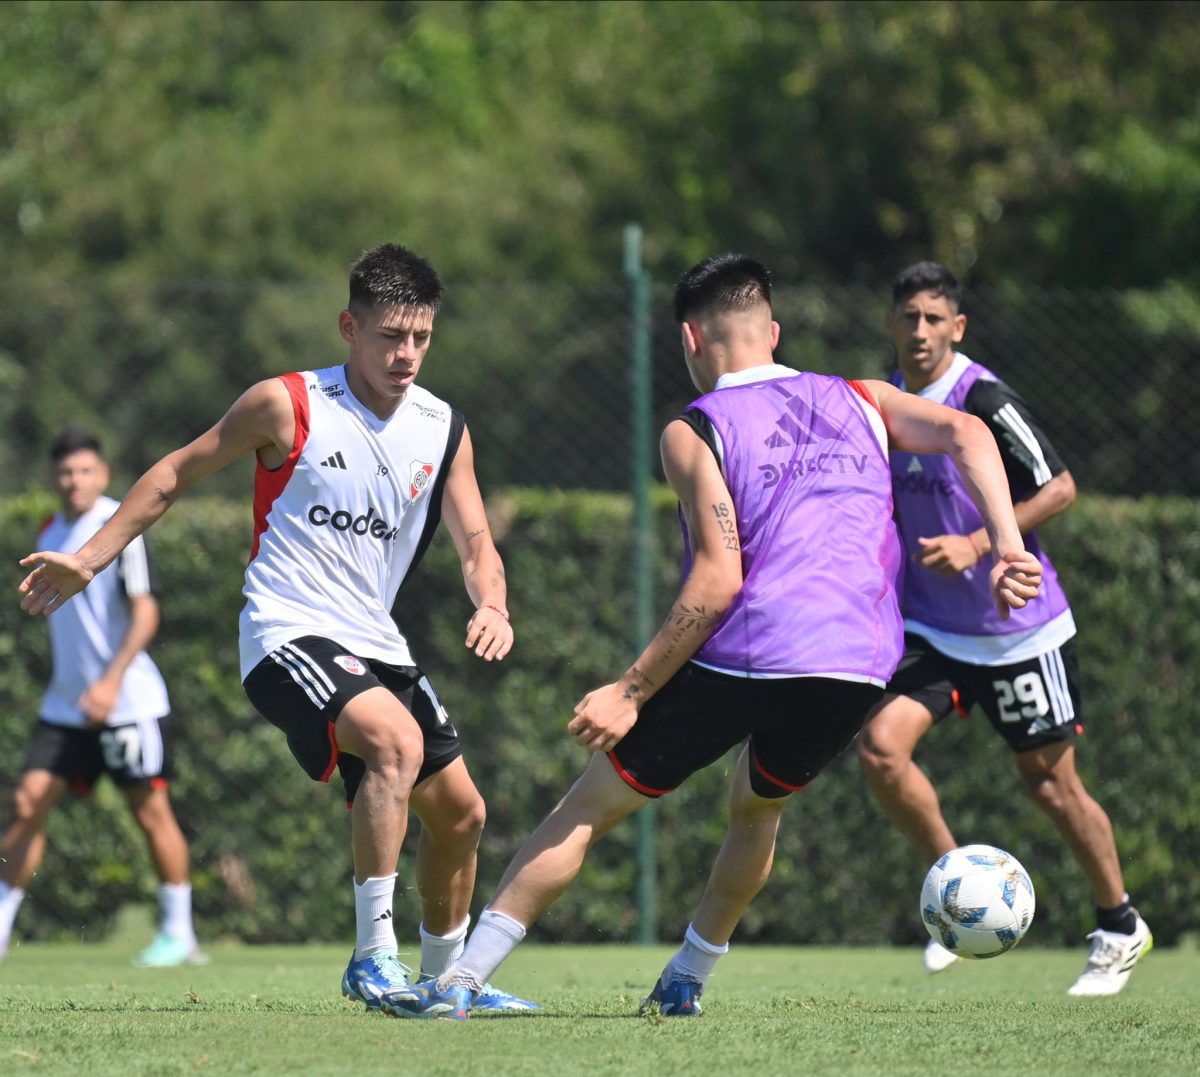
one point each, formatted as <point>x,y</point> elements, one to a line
<point>1030,703</point>
<point>304,685</point>
<point>136,753</point>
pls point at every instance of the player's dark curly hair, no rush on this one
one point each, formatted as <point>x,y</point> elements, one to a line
<point>724,282</point>
<point>393,276</point>
<point>73,440</point>
<point>927,277</point>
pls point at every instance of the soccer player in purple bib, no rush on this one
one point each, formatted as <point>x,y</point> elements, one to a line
<point>1022,669</point>
<point>785,630</point>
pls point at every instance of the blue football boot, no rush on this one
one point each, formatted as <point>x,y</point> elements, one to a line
<point>493,1000</point>
<point>375,980</point>
<point>426,999</point>
<point>679,998</point>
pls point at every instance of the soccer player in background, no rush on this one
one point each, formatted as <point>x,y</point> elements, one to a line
<point>356,465</point>
<point>104,711</point>
<point>784,632</point>
<point>1022,669</point>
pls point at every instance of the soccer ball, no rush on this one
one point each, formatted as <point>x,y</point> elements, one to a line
<point>977,901</point>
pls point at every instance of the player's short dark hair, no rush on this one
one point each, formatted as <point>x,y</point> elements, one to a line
<point>73,440</point>
<point>393,276</point>
<point>927,277</point>
<point>724,282</point>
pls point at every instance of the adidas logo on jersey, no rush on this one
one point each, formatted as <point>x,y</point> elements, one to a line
<point>914,465</point>
<point>335,461</point>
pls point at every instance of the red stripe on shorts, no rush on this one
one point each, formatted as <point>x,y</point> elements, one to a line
<point>632,782</point>
<point>333,754</point>
<point>775,781</point>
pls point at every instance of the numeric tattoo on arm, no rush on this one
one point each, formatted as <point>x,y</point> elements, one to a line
<point>728,528</point>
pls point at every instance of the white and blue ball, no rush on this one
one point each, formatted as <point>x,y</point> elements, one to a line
<point>977,901</point>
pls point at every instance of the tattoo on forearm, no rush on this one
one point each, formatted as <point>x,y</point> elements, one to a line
<point>475,534</point>
<point>686,618</point>
<point>632,691</point>
<point>162,495</point>
<point>641,675</point>
<point>728,527</point>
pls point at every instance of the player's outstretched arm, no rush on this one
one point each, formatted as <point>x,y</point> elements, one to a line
<point>921,426</point>
<point>604,716</point>
<point>260,419</point>
<point>489,632</point>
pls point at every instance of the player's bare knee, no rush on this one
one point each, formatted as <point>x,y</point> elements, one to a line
<point>28,809</point>
<point>877,759</point>
<point>1047,793</point>
<point>394,749</point>
<point>463,827</point>
<point>153,814</point>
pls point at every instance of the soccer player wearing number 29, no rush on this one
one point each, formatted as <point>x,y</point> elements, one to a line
<point>784,632</point>
<point>1023,670</point>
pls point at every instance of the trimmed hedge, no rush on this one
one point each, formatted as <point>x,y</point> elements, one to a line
<point>271,851</point>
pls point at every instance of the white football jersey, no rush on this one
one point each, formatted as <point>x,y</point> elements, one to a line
<point>88,630</point>
<point>340,524</point>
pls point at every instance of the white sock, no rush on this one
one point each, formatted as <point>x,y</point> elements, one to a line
<point>494,938</point>
<point>10,901</point>
<point>439,952</point>
<point>175,907</point>
<point>694,960</point>
<point>373,916</point>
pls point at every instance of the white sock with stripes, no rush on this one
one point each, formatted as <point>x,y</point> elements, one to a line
<point>373,916</point>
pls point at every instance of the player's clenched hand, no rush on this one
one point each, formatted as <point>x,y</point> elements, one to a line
<point>603,717</point>
<point>947,555</point>
<point>1016,578</point>
<point>99,699</point>
<point>54,579</point>
<point>489,633</point>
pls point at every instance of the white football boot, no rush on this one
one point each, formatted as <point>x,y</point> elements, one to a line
<point>938,958</point>
<point>1111,960</point>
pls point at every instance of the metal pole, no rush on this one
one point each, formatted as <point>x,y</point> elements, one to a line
<point>641,393</point>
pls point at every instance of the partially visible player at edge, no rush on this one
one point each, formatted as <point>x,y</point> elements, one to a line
<point>105,711</point>
<point>356,466</point>
<point>1022,670</point>
<point>784,632</point>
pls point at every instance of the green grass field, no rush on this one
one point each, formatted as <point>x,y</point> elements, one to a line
<point>82,1009</point>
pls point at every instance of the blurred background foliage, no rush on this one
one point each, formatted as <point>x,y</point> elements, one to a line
<point>271,859</point>
<point>182,185</point>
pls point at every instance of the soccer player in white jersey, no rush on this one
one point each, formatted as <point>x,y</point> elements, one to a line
<point>1023,671</point>
<point>104,711</point>
<point>356,465</point>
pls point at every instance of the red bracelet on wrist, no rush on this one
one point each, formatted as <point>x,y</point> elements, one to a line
<point>975,547</point>
<point>489,606</point>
